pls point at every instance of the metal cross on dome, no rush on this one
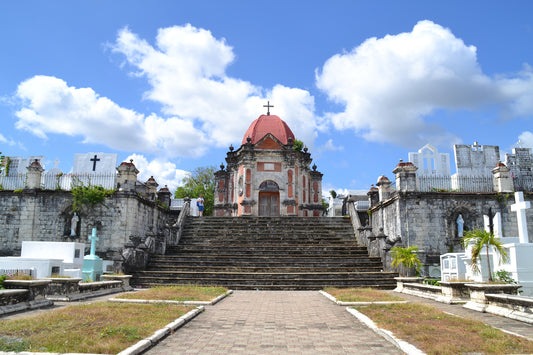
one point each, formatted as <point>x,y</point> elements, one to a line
<point>268,106</point>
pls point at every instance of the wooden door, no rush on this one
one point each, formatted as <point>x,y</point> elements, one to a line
<point>268,204</point>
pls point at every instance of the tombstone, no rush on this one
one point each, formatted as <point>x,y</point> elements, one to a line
<point>92,263</point>
<point>520,207</point>
<point>95,163</point>
<point>19,165</point>
<point>429,161</point>
<point>476,160</point>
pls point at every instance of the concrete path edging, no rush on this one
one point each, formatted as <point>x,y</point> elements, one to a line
<point>403,345</point>
<point>147,343</point>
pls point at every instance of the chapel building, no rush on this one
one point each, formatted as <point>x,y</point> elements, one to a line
<point>266,176</point>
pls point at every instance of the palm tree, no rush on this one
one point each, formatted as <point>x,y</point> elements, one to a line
<point>406,257</point>
<point>480,238</point>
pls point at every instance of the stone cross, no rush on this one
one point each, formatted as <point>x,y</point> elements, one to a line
<point>93,238</point>
<point>520,208</point>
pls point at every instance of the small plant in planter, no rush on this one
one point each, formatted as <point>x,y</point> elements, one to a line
<point>480,238</point>
<point>407,258</point>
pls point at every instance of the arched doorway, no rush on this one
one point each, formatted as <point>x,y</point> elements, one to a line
<point>268,198</point>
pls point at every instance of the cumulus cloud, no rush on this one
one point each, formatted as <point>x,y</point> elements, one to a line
<point>526,139</point>
<point>201,106</point>
<point>389,86</point>
<point>51,106</point>
<point>163,171</point>
<point>186,69</point>
<point>6,141</point>
<point>330,146</point>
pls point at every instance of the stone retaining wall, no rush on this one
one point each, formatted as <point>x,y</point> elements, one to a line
<point>35,215</point>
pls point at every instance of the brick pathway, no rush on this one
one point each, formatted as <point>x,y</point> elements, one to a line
<point>263,322</point>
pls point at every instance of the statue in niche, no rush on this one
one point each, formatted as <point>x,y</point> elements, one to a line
<point>460,226</point>
<point>74,224</point>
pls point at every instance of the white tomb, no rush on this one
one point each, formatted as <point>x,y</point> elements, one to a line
<point>429,161</point>
<point>95,163</point>
<point>47,258</point>
<point>520,251</point>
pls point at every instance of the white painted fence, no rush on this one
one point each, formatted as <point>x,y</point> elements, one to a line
<point>456,183</point>
<point>61,181</point>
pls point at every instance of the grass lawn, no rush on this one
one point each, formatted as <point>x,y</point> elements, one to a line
<point>435,332</point>
<point>102,327</point>
<point>177,293</point>
<point>361,295</point>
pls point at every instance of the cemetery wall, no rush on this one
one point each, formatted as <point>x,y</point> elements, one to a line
<point>429,219</point>
<point>46,216</point>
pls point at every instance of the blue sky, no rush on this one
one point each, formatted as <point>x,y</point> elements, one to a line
<point>172,84</point>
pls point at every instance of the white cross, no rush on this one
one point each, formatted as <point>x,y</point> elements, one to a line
<point>520,208</point>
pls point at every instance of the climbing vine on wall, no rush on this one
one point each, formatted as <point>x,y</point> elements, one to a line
<point>89,196</point>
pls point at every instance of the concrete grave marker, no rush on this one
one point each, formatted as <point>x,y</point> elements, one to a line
<point>97,163</point>
<point>520,208</point>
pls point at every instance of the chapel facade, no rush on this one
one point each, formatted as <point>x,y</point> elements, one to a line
<point>266,176</point>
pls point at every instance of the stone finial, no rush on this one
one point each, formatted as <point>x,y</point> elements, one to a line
<point>405,176</point>
<point>127,176</point>
<point>384,188</point>
<point>222,167</point>
<point>503,182</point>
<point>231,148</point>
<point>35,171</point>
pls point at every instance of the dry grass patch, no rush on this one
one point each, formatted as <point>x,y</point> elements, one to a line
<point>366,294</point>
<point>435,332</point>
<point>177,293</point>
<point>93,328</point>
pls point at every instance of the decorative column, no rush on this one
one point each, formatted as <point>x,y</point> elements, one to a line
<point>502,179</point>
<point>316,191</point>
<point>127,176</point>
<point>383,188</point>
<point>405,176</point>
<point>35,171</point>
<point>164,196</point>
<point>151,185</point>
<point>221,206</point>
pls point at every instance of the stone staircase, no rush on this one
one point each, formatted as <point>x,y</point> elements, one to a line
<point>266,253</point>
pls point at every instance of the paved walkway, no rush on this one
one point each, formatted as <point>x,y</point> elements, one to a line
<point>263,322</point>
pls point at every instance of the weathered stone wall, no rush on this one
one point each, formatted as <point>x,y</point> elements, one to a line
<point>429,219</point>
<point>46,216</point>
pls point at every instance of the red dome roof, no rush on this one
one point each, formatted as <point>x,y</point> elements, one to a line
<point>268,124</point>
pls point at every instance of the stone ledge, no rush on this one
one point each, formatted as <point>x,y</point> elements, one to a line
<point>187,303</point>
<point>341,303</point>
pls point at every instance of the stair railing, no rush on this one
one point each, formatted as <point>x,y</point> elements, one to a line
<point>180,223</point>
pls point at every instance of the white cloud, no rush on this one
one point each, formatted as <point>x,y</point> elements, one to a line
<point>6,141</point>
<point>51,106</point>
<point>187,72</point>
<point>164,172</point>
<point>526,139</point>
<point>330,146</point>
<point>201,106</point>
<point>390,85</point>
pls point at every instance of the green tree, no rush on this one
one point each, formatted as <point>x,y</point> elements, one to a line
<point>298,145</point>
<point>480,238</point>
<point>333,193</point>
<point>201,181</point>
<point>406,257</point>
